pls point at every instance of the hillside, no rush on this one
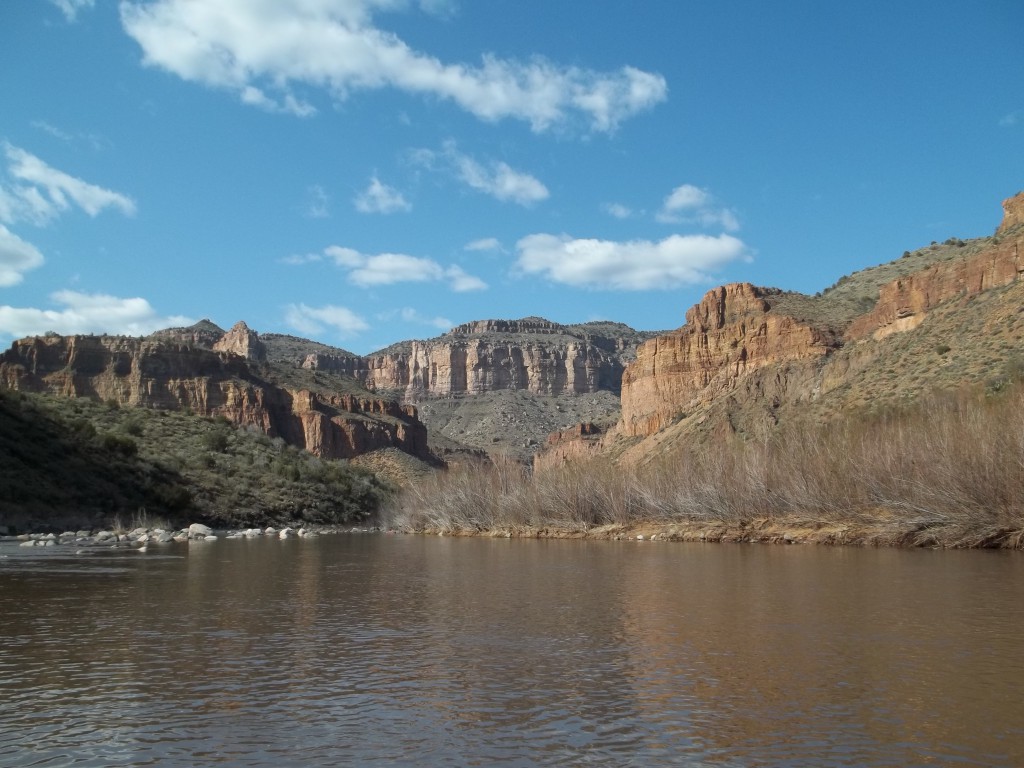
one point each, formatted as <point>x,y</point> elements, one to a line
<point>749,358</point>
<point>230,377</point>
<point>888,409</point>
<point>69,464</point>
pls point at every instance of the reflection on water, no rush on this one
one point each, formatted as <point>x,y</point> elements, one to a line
<point>372,649</point>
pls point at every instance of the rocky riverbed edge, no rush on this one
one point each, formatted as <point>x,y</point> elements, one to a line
<point>877,533</point>
<point>141,538</point>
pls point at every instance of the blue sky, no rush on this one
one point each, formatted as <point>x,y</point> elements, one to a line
<point>366,171</point>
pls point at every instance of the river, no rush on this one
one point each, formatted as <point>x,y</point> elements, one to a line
<point>371,649</point>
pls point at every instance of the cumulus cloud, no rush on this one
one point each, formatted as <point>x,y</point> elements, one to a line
<point>462,282</point>
<point>483,244</point>
<point>380,198</point>
<point>251,47</point>
<point>636,265</point>
<point>70,8</point>
<point>1012,118</point>
<point>87,313</point>
<point>369,270</point>
<point>497,179</point>
<point>16,257</point>
<point>693,205</point>
<point>313,320</point>
<point>38,193</point>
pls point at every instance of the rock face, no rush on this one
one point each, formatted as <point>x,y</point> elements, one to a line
<point>728,335</point>
<point>747,352</point>
<point>904,303</point>
<point>242,341</point>
<point>168,374</point>
<point>531,354</point>
<point>1013,214</point>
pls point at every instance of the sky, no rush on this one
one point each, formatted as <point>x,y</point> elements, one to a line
<point>362,172</point>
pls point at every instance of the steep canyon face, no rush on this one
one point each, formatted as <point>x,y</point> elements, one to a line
<point>499,385</point>
<point>728,335</point>
<point>171,371</point>
<point>531,354</point>
<point>749,350</point>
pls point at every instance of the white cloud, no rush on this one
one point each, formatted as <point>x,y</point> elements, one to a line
<point>40,192</point>
<point>297,259</point>
<point>87,313</point>
<point>380,198</point>
<point>70,8</point>
<point>497,179</point>
<point>636,265</point>
<point>462,282</point>
<point>502,182</point>
<point>249,47</point>
<point>16,257</point>
<point>618,210</point>
<point>313,320</point>
<point>483,244</point>
<point>692,205</point>
<point>1011,119</point>
<point>384,268</point>
<point>368,270</point>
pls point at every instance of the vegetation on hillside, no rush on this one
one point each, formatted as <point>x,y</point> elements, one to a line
<point>81,463</point>
<point>945,470</point>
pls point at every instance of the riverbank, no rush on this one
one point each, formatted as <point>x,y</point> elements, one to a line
<point>140,538</point>
<point>784,531</point>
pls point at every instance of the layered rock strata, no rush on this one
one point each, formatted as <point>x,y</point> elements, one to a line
<point>157,373</point>
<point>904,303</point>
<point>728,335</point>
<point>529,354</point>
<point>740,345</point>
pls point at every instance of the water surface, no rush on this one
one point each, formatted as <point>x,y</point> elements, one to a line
<point>404,650</point>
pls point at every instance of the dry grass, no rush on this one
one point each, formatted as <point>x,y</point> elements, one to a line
<point>945,471</point>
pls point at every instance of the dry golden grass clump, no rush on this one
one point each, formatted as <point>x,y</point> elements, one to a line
<point>947,470</point>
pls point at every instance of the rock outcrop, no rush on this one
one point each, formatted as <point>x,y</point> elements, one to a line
<point>747,353</point>
<point>242,341</point>
<point>904,303</point>
<point>166,374</point>
<point>531,354</point>
<point>729,334</point>
<point>1013,214</point>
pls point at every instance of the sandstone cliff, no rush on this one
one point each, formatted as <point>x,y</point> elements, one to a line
<point>530,354</point>
<point>747,354</point>
<point>225,380</point>
<point>729,334</point>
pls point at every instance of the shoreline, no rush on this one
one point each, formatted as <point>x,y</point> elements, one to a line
<point>779,531</point>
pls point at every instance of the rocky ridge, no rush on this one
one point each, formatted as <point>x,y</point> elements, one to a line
<point>181,369</point>
<point>747,354</point>
<point>495,385</point>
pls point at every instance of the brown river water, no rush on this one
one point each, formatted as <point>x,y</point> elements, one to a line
<point>370,649</point>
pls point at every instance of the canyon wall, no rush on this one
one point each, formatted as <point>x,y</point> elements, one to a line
<point>166,374</point>
<point>904,303</point>
<point>741,348</point>
<point>729,334</point>
<point>531,354</point>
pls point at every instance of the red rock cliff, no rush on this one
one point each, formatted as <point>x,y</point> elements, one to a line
<point>729,334</point>
<point>155,373</point>
<point>904,303</point>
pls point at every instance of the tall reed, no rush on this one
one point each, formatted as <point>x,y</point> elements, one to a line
<point>947,469</point>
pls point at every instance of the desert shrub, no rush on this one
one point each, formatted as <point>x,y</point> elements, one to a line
<point>946,469</point>
<point>116,443</point>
